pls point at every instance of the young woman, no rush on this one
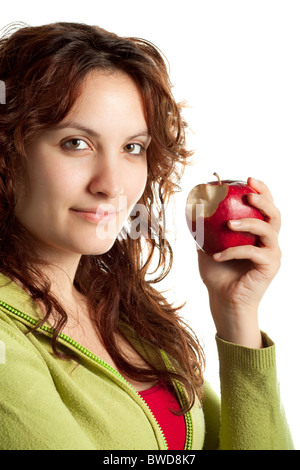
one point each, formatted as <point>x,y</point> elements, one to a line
<point>95,357</point>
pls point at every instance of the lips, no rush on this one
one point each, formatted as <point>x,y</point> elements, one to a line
<point>104,213</point>
<point>101,209</point>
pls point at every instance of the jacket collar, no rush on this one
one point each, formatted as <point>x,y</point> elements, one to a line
<point>17,298</point>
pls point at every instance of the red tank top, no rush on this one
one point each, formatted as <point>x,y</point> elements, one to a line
<point>160,400</point>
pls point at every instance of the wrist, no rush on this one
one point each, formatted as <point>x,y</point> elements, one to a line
<point>239,328</point>
<point>249,339</point>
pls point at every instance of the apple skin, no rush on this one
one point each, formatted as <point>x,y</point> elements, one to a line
<point>217,235</point>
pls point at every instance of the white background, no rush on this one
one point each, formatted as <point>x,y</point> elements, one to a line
<point>237,65</point>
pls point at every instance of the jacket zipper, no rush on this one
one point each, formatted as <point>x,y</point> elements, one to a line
<point>86,352</point>
<point>187,416</point>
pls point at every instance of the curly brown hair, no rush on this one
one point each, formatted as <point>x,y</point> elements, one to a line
<point>43,68</point>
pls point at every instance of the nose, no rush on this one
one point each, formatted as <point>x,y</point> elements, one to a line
<point>107,178</point>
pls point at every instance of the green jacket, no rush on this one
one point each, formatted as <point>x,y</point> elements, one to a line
<point>57,404</point>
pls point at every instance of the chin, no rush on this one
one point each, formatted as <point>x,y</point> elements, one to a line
<point>97,248</point>
<point>100,251</point>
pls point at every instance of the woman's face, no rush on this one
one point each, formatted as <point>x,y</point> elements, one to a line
<point>93,163</point>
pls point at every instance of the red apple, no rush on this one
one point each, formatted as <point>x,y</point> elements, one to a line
<point>210,206</point>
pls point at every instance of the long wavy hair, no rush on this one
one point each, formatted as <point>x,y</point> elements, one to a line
<point>43,68</point>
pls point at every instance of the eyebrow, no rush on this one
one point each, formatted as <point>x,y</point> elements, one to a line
<point>74,125</point>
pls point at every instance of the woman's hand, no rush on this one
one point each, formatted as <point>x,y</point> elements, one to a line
<point>237,278</point>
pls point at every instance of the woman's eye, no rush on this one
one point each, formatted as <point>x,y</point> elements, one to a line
<point>135,149</point>
<point>76,144</point>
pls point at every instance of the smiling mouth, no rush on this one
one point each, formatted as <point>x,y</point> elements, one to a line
<point>101,216</point>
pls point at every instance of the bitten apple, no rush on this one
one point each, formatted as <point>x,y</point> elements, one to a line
<point>210,206</point>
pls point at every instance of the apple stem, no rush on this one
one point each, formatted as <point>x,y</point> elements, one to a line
<point>216,174</point>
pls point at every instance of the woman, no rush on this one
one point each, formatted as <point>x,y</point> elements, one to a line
<point>95,357</point>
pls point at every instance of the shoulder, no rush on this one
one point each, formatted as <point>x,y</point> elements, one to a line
<point>18,354</point>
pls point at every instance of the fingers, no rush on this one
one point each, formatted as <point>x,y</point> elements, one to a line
<point>268,236</point>
<point>253,253</point>
<point>267,261</point>
<point>267,207</point>
<point>260,187</point>
<point>264,202</point>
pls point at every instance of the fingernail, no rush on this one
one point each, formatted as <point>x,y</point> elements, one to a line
<point>217,255</point>
<point>235,223</point>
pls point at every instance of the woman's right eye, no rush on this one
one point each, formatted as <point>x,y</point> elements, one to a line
<point>74,144</point>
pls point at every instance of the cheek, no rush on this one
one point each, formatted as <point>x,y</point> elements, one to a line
<point>56,183</point>
<point>134,185</point>
<point>137,183</point>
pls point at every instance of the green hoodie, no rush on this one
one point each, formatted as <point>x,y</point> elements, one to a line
<point>48,403</point>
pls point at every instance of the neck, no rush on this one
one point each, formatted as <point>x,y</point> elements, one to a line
<point>63,289</point>
<point>61,276</point>
<point>60,269</point>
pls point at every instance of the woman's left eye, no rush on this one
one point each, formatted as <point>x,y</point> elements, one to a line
<point>76,144</point>
<point>135,149</point>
